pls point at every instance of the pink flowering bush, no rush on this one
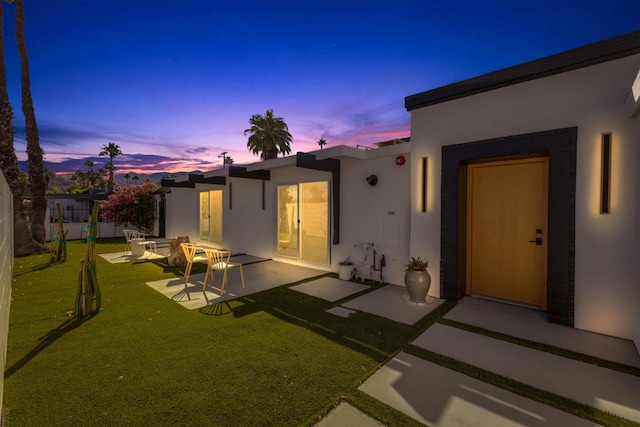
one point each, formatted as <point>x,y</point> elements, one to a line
<point>131,205</point>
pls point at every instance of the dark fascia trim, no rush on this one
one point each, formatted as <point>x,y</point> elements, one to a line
<point>308,161</point>
<point>200,179</point>
<point>584,56</point>
<point>173,184</point>
<point>194,178</point>
<point>241,172</point>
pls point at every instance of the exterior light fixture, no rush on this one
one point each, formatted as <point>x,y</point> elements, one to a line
<point>605,175</point>
<point>424,183</point>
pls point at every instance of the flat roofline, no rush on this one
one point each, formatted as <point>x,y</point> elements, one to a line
<point>584,56</point>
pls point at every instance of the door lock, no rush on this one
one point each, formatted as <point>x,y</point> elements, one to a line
<point>538,241</point>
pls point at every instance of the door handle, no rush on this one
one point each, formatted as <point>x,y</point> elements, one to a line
<point>538,241</point>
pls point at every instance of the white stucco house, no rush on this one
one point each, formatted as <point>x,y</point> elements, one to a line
<point>313,209</point>
<point>520,185</point>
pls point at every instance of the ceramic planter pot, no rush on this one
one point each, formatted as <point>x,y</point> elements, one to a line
<point>345,272</point>
<point>418,284</point>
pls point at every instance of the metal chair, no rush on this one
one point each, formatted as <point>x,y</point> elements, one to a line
<point>218,260</point>
<point>190,251</point>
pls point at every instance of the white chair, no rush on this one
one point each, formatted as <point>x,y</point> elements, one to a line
<point>218,260</point>
<point>190,251</point>
<point>128,235</point>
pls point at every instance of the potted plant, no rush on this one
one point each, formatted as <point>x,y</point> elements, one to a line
<point>417,279</point>
<point>345,269</point>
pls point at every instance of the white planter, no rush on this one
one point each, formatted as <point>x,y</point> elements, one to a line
<point>345,272</point>
<point>418,284</point>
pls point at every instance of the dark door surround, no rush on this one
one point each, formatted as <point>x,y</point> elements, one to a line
<point>560,146</point>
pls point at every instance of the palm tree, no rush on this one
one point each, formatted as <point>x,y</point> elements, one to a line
<point>322,143</point>
<point>127,176</point>
<point>35,155</point>
<point>23,242</point>
<point>268,136</point>
<point>112,150</point>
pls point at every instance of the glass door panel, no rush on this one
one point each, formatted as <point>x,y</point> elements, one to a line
<point>204,215</point>
<point>211,216</point>
<point>288,220</point>
<point>215,212</point>
<point>314,221</point>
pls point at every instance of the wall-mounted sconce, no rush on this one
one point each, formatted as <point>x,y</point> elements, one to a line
<point>424,183</point>
<point>372,180</point>
<point>605,175</point>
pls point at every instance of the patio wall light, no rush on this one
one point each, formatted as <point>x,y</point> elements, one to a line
<point>605,174</point>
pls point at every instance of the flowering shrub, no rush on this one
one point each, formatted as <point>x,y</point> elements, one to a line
<point>131,205</point>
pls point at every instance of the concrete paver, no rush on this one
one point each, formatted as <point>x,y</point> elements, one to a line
<point>441,397</point>
<point>601,388</point>
<point>346,415</point>
<point>392,302</point>
<point>329,288</point>
<point>533,325</point>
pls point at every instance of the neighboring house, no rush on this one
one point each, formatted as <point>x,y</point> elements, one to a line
<point>520,185</point>
<point>312,208</point>
<point>76,209</point>
<point>520,155</point>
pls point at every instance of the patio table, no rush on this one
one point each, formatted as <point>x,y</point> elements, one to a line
<point>137,246</point>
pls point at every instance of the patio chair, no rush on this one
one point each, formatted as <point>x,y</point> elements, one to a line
<point>128,235</point>
<point>190,251</point>
<point>218,260</point>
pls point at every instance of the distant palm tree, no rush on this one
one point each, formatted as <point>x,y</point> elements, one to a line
<point>35,155</point>
<point>112,150</point>
<point>322,143</point>
<point>136,178</point>
<point>268,136</point>
<point>127,176</point>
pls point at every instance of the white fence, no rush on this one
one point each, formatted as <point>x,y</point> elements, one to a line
<point>6,274</point>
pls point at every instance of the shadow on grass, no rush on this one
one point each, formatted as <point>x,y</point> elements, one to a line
<point>45,341</point>
<point>38,267</point>
<point>216,309</point>
<point>373,336</point>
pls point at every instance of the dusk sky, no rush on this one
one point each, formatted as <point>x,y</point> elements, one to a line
<point>174,83</point>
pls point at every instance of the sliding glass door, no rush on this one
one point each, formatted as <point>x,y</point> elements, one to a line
<point>303,221</point>
<point>211,216</point>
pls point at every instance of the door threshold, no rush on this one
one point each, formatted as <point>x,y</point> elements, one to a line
<point>509,302</point>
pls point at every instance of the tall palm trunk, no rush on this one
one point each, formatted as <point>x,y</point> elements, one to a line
<point>22,240</point>
<point>37,176</point>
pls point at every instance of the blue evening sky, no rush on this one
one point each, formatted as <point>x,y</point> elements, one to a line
<point>174,82</point>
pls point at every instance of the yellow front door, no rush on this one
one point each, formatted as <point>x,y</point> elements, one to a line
<point>507,230</point>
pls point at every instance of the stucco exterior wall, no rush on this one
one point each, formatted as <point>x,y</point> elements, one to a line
<point>378,214</point>
<point>607,248</point>
<point>636,320</point>
<point>182,213</point>
<point>6,273</point>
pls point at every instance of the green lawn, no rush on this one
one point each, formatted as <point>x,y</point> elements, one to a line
<point>273,358</point>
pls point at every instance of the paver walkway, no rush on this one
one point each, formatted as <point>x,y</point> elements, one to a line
<point>438,396</point>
